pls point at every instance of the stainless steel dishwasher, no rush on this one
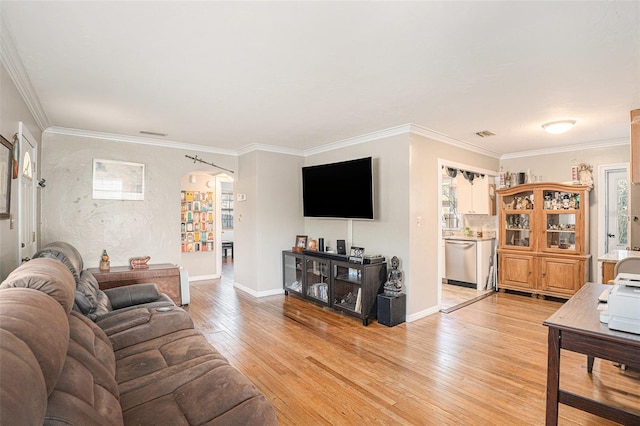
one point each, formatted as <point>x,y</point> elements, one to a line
<point>460,261</point>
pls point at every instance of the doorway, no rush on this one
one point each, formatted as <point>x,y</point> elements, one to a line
<point>613,212</point>
<point>206,222</point>
<point>455,222</point>
<point>227,240</point>
<point>27,181</point>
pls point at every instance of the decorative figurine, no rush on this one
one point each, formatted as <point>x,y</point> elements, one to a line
<point>585,174</point>
<point>139,262</point>
<point>104,261</point>
<point>393,286</point>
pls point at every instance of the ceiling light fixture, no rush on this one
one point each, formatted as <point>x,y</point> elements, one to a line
<point>558,127</point>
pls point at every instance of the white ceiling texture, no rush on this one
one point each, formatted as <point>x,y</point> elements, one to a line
<point>301,75</point>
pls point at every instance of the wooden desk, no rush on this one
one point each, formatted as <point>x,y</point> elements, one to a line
<point>165,275</point>
<point>576,327</point>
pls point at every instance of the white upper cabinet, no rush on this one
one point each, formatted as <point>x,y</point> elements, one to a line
<point>473,198</point>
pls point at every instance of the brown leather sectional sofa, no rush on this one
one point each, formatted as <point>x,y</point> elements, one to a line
<point>144,365</point>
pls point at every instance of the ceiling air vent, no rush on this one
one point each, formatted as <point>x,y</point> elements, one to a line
<point>146,132</point>
<point>485,134</point>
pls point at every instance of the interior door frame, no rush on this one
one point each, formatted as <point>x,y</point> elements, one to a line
<point>602,203</point>
<point>491,174</point>
<point>24,133</point>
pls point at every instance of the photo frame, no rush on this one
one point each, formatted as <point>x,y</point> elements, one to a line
<point>356,255</point>
<point>301,241</point>
<point>6,163</point>
<point>118,180</point>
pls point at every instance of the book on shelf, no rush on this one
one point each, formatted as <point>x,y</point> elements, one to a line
<point>358,308</point>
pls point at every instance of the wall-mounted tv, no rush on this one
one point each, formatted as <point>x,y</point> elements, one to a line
<point>339,190</point>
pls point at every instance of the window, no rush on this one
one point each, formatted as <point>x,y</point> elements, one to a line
<point>227,210</point>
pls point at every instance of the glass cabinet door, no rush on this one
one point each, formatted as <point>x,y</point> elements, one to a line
<point>317,279</point>
<point>347,288</point>
<point>560,210</point>
<point>517,220</point>
<point>561,231</point>
<point>293,273</point>
<point>517,231</point>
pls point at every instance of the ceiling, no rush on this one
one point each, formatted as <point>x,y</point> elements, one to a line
<point>301,75</point>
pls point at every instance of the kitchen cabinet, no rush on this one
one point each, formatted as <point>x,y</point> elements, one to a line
<point>473,198</point>
<point>543,243</point>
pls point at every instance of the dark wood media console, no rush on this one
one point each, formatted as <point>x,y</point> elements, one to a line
<point>330,280</point>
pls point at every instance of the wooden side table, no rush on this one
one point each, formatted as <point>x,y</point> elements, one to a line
<point>165,275</point>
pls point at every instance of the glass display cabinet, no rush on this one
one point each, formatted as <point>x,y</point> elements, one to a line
<point>292,272</point>
<point>543,238</point>
<point>317,279</point>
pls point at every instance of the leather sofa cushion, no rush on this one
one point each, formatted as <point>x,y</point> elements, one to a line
<point>65,253</point>
<point>90,300</point>
<point>134,326</point>
<point>32,355</point>
<point>23,394</point>
<point>46,275</point>
<point>86,392</point>
<point>182,377</point>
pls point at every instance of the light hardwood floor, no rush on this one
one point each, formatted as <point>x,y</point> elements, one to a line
<point>455,296</point>
<point>480,365</point>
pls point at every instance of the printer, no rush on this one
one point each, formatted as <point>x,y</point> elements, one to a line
<point>624,303</point>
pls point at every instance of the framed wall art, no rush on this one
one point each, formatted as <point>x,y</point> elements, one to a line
<point>117,180</point>
<point>6,162</point>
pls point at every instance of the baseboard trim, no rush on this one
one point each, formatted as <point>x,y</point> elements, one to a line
<point>204,277</point>
<point>254,293</point>
<point>422,314</point>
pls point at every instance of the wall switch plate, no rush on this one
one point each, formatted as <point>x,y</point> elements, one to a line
<point>241,197</point>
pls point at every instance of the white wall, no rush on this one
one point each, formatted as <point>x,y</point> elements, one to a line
<point>12,111</point>
<point>388,233</point>
<point>125,228</point>
<point>268,221</point>
<point>557,168</point>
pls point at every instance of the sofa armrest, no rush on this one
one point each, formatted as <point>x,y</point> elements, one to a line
<point>130,295</point>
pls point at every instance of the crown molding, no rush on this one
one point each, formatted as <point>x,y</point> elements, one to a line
<point>408,128</point>
<point>567,148</point>
<point>137,140</point>
<point>15,68</point>
<point>368,137</point>
<point>440,137</point>
<point>270,148</point>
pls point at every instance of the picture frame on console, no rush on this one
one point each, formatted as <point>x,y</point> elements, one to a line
<point>301,243</point>
<point>6,159</point>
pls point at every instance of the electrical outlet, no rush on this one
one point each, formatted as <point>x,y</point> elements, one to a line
<point>419,220</point>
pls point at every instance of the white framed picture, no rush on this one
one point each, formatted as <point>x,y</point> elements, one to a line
<point>117,180</point>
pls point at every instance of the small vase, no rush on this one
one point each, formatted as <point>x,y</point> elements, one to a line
<point>104,265</point>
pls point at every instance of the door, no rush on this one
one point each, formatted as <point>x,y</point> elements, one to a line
<point>516,270</point>
<point>616,231</point>
<point>561,275</point>
<point>27,236</point>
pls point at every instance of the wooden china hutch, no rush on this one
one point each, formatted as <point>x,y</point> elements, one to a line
<point>543,245</point>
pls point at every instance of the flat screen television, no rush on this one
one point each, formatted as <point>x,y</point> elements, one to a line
<point>339,190</point>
